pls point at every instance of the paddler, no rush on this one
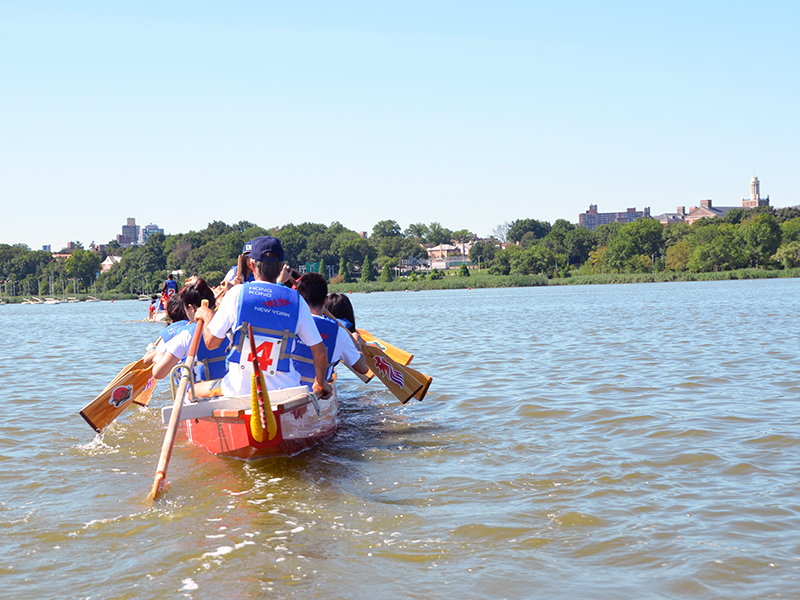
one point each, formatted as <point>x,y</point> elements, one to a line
<point>278,316</point>
<point>233,277</point>
<point>342,310</point>
<point>338,343</point>
<point>178,317</point>
<point>170,287</point>
<point>210,362</point>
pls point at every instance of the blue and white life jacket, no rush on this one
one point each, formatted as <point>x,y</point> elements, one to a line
<point>303,359</point>
<point>212,361</point>
<point>272,310</point>
<point>172,330</point>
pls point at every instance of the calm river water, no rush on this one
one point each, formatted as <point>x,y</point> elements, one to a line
<point>628,441</point>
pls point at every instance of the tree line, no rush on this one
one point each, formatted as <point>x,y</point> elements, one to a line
<point>762,237</point>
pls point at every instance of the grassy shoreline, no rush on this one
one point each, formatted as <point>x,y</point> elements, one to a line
<point>508,281</point>
<point>501,281</point>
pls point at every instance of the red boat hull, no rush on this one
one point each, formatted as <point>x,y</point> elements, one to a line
<point>298,429</point>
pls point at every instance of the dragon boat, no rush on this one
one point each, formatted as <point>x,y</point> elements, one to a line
<point>222,425</point>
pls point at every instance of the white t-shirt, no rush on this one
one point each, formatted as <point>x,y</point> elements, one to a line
<point>179,346</point>
<point>237,382</point>
<point>345,349</point>
<point>230,274</point>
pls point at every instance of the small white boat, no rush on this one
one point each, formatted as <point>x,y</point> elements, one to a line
<point>52,301</point>
<point>93,299</point>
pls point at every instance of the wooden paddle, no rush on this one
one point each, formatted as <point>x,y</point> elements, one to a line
<point>144,398</point>
<point>426,380</point>
<point>398,355</point>
<point>264,413</point>
<point>127,385</point>
<point>399,379</point>
<point>172,427</point>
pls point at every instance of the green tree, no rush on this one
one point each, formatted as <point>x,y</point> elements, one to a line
<point>520,227</point>
<point>352,247</point>
<point>438,234</point>
<point>483,250</point>
<point>463,271</point>
<point>605,234</point>
<point>762,237</point>
<point>789,254</point>
<point>344,271</point>
<point>501,265</point>
<point>151,258</point>
<point>579,242</point>
<point>678,256</point>
<point>321,269</point>
<point>386,274</point>
<point>675,232</point>
<point>716,246</point>
<point>537,259</point>
<point>417,231</point>
<point>384,229</point>
<point>367,271</point>
<point>642,237</point>
<point>82,264</point>
<point>790,230</point>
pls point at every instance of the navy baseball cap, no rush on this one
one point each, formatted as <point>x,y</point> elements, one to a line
<point>260,246</point>
<point>247,247</point>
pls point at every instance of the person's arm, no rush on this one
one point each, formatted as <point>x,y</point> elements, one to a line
<point>320,369</point>
<point>162,368</point>
<point>207,315</point>
<point>349,352</point>
<point>216,325</point>
<point>172,352</point>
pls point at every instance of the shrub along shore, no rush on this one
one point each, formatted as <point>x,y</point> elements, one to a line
<point>506,281</point>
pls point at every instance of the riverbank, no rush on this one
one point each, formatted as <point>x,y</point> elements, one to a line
<point>72,299</point>
<point>503,281</point>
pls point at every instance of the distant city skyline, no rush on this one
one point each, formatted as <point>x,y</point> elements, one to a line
<point>587,218</point>
<point>470,115</point>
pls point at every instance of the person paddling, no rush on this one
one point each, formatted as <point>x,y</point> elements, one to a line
<point>339,345</point>
<point>170,287</point>
<point>278,316</point>
<point>210,363</point>
<point>342,310</point>
<point>178,317</point>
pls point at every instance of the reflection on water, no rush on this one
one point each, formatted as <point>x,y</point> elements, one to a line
<point>611,441</point>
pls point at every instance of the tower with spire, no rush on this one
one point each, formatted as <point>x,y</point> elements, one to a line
<point>755,195</point>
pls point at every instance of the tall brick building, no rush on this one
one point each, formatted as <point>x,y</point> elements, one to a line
<point>592,219</point>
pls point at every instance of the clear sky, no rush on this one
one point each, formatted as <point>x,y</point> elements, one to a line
<point>466,113</point>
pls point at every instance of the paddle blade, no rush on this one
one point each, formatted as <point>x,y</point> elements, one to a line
<point>117,395</point>
<point>398,355</point>
<point>272,424</point>
<point>256,428</point>
<point>144,398</point>
<point>426,380</point>
<point>396,377</point>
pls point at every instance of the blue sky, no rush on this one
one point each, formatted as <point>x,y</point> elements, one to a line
<point>466,113</point>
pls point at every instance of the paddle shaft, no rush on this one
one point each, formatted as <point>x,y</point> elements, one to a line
<point>175,417</point>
